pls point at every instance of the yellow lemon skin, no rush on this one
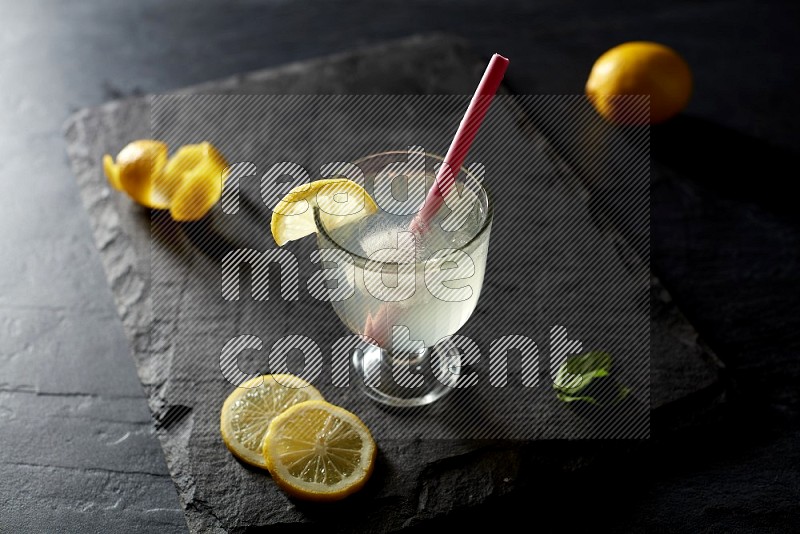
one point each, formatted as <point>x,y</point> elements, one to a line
<point>639,68</point>
<point>189,184</point>
<point>136,169</point>
<point>193,181</point>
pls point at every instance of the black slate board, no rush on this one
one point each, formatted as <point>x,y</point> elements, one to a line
<point>415,480</point>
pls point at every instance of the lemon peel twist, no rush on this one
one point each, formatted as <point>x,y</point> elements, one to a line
<point>188,184</point>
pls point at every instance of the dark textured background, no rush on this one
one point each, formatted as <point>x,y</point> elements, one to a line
<point>76,447</point>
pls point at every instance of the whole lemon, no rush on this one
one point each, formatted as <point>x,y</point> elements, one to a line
<point>639,68</point>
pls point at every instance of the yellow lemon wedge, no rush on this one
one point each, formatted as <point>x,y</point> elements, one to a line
<point>341,201</point>
<point>248,411</point>
<point>639,68</point>
<point>189,184</point>
<point>318,451</point>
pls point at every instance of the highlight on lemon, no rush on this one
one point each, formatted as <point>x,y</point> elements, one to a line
<point>248,411</point>
<point>340,201</point>
<point>639,68</point>
<point>320,452</point>
<point>188,184</point>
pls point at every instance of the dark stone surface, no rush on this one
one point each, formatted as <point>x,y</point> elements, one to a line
<point>728,260</point>
<point>417,479</point>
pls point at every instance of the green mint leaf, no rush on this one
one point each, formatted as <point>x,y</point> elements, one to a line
<point>578,371</point>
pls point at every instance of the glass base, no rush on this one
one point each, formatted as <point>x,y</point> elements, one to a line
<point>408,379</point>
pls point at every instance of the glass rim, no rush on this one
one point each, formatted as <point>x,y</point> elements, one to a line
<point>361,259</point>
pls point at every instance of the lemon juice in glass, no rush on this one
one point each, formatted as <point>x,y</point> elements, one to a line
<point>411,290</point>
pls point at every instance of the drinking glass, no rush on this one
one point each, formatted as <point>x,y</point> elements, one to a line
<point>410,292</point>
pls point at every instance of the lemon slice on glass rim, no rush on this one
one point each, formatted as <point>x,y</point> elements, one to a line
<point>320,452</point>
<point>248,411</point>
<point>340,200</point>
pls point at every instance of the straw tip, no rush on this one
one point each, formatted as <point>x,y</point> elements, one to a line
<point>501,58</point>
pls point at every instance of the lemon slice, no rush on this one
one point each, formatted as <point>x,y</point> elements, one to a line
<point>341,201</point>
<point>248,411</point>
<point>318,451</point>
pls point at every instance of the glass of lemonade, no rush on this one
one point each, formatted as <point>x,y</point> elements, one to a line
<point>410,291</point>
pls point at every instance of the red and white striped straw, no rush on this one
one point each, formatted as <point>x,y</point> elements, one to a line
<point>459,148</point>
